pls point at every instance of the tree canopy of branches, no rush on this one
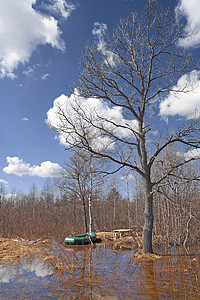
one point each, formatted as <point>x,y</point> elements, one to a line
<point>114,110</point>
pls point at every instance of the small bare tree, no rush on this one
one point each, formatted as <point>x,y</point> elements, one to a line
<point>80,178</point>
<point>114,111</point>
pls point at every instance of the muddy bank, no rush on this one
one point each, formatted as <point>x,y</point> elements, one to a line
<point>12,249</point>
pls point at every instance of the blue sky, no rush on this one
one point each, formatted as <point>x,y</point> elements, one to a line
<point>40,49</point>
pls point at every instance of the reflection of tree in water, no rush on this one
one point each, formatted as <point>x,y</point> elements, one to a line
<point>78,279</point>
<point>96,273</point>
<point>85,281</point>
<point>179,272</point>
<point>173,276</point>
<point>150,280</point>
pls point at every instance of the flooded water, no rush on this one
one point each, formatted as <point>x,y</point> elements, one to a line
<point>103,273</point>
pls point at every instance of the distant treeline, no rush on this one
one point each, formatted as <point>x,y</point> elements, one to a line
<point>32,216</point>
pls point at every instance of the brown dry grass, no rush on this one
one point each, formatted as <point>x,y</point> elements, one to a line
<point>11,249</point>
<point>141,255</point>
<point>125,241</point>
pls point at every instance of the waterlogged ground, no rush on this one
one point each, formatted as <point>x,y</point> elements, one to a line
<point>102,272</point>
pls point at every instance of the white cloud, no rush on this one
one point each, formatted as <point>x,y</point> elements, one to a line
<point>25,119</point>
<point>186,103</point>
<point>62,7</point>
<point>45,76</point>
<point>190,9</point>
<point>22,29</point>
<point>29,71</point>
<point>195,153</point>
<point>99,30</point>
<point>82,112</point>
<point>17,167</point>
<point>129,177</point>
<point>3,182</point>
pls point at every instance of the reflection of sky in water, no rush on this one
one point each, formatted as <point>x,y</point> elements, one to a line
<point>9,272</point>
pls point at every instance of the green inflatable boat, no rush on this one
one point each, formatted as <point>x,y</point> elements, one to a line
<point>80,239</point>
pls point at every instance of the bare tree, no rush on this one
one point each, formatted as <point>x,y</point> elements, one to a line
<point>127,75</point>
<point>80,178</point>
<point>177,209</point>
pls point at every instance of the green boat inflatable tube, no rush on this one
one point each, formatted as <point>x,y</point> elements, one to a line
<point>80,239</point>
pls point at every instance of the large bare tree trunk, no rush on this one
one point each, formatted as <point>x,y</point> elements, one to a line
<point>148,224</point>
<point>148,211</point>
